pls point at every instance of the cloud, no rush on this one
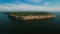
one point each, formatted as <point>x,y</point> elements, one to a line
<point>17,1</point>
<point>34,1</point>
<point>26,7</point>
<point>46,3</point>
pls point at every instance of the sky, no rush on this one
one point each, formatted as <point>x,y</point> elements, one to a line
<point>30,5</point>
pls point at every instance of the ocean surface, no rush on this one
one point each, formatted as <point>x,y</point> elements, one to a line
<point>10,26</point>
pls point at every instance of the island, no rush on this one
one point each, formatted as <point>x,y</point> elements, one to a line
<point>31,15</point>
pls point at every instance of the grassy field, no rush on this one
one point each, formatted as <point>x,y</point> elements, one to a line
<point>28,13</point>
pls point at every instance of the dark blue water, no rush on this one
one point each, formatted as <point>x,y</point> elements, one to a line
<point>11,26</point>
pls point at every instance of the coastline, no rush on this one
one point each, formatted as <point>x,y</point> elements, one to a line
<point>31,17</point>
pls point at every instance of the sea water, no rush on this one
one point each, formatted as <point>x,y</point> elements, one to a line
<point>9,25</point>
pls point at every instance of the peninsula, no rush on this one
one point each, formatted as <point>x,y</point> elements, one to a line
<point>31,15</point>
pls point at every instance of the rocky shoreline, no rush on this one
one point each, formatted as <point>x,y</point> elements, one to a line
<point>31,17</point>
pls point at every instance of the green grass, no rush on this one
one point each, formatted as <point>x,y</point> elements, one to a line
<point>28,13</point>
